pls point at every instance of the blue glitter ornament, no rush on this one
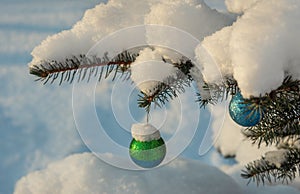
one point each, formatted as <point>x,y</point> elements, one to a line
<point>244,113</point>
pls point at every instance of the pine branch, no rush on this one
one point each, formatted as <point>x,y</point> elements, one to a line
<point>84,68</point>
<point>281,115</point>
<point>280,125</point>
<point>185,66</point>
<point>283,165</point>
<point>169,88</point>
<point>219,92</point>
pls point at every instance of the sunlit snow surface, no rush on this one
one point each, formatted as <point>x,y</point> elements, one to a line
<point>260,49</point>
<point>37,126</point>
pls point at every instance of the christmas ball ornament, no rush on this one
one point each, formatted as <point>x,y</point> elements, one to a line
<point>244,113</point>
<point>147,148</point>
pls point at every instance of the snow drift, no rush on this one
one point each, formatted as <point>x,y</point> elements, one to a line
<point>84,173</point>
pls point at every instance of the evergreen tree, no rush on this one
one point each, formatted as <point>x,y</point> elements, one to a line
<point>280,109</point>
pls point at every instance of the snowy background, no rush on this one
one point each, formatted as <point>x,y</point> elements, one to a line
<point>38,130</point>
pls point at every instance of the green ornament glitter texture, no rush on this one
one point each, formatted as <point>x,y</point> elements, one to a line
<point>147,154</point>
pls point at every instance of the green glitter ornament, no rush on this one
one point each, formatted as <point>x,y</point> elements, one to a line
<point>147,148</point>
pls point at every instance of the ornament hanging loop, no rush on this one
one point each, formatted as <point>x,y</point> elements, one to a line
<point>148,115</point>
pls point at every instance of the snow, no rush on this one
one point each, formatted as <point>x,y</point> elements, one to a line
<point>144,132</point>
<point>235,172</point>
<point>230,142</point>
<point>105,19</point>
<point>84,173</point>
<point>264,55</point>
<point>213,55</point>
<point>225,130</point>
<point>277,157</point>
<point>37,126</point>
<point>95,24</point>
<point>149,70</point>
<point>32,132</point>
<point>117,14</point>
<point>236,49</point>
<point>198,78</point>
<point>182,13</point>
<point>238,6</point>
